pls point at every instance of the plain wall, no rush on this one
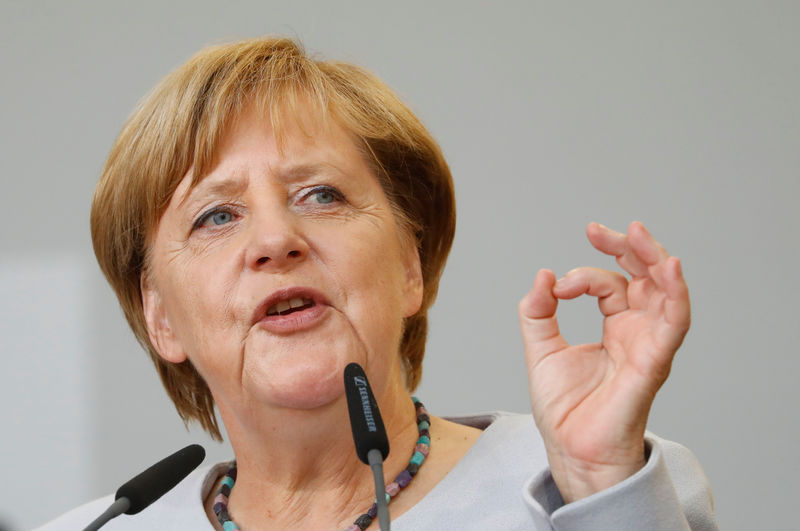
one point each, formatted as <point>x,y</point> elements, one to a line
<point>552,114</point>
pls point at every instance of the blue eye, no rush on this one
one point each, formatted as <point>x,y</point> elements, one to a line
<point>214,218</point>
<point>220,218</point>
<point>324,195</point>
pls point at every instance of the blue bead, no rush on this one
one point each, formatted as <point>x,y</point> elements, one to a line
<point>230,526</point>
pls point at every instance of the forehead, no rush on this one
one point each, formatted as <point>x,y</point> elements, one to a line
<point>297,145</point>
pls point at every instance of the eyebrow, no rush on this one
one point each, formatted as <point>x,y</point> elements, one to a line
<point>301,171</point>
<point>238,182</point>
<point>232,185</point>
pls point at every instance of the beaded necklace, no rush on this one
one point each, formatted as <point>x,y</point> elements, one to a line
<point>421,451</point>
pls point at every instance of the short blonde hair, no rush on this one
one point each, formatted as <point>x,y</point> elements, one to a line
<point>178,126</point>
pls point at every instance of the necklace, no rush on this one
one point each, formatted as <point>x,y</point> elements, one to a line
<point>421,451</point>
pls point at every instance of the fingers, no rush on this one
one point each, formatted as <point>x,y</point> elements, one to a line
<point>540,303</point>
<point>677,308</point>
<point>616,244</point>
<point>606,240</point>
<point>664,270</point>
<point>646,248</point>
<point>671,309</point>
<point>537,317</point>
<point>657,288</point>
<point>636,252</point>
<point>608,286</point>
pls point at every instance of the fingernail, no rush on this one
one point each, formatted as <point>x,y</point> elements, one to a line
<point>678,266</point>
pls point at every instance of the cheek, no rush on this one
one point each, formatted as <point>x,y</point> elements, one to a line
<point>369,260</point>
<point>199,306</point>
<point>372,275</point>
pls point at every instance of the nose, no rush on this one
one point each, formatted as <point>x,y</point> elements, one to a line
<point>275,243</point>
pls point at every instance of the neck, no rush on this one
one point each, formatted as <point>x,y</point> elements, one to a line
<point>304,463</point>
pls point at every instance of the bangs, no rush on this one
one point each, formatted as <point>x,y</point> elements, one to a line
<point>277,82</point>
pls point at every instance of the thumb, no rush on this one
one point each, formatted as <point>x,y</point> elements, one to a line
<point>537,319</point>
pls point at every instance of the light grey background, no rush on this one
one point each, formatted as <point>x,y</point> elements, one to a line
<point>683,114</point>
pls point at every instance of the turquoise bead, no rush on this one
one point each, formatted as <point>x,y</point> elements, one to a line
<point>230,526</point>
<point>227,480</point>
<point>424,425</point>
<point>424,440</point>
<point>417,458</point>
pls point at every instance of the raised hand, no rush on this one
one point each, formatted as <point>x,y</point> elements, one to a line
<point>591,401</point>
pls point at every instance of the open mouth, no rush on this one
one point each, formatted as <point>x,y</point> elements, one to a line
<point>285,307</point>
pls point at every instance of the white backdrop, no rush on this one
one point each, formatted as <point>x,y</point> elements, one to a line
<point>682,114</point>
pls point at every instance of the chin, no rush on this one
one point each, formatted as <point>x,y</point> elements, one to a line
<point>300,385</point>
<point>302,370</point>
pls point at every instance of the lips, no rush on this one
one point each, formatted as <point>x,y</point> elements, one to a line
<point>296,304</point>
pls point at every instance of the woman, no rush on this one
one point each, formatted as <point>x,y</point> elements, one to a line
<point>265,219</point>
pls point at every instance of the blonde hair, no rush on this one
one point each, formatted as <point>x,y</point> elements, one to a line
<point>179,125</point>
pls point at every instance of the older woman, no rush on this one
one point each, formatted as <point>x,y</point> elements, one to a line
<point>265,219</point>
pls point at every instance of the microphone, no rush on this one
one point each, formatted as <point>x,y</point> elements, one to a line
<point>365,418</point>
<point>150,485</point>
<point>369,434</point>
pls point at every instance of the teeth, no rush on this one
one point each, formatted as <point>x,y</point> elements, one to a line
<point>282,306</point>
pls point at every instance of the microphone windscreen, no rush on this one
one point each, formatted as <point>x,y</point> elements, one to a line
<point>157,480</point>
<point>365,418</point>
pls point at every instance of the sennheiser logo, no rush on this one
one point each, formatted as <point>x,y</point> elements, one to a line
<point>361,384</point>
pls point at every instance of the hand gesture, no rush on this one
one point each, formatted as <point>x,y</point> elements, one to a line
<point>591,401</point>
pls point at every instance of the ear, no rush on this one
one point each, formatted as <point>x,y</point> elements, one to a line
<point>158,327</point>
<point>414,286</point>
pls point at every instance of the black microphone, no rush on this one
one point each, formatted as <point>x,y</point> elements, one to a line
<point>369,434</point>
<point>150,485</point>
<point>365,418</point>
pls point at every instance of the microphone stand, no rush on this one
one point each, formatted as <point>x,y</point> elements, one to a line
<point>115,509</point>
<point>376,464</point>
<point>369,433</point>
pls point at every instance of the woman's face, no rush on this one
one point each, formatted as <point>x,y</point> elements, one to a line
<point>279,268</point>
